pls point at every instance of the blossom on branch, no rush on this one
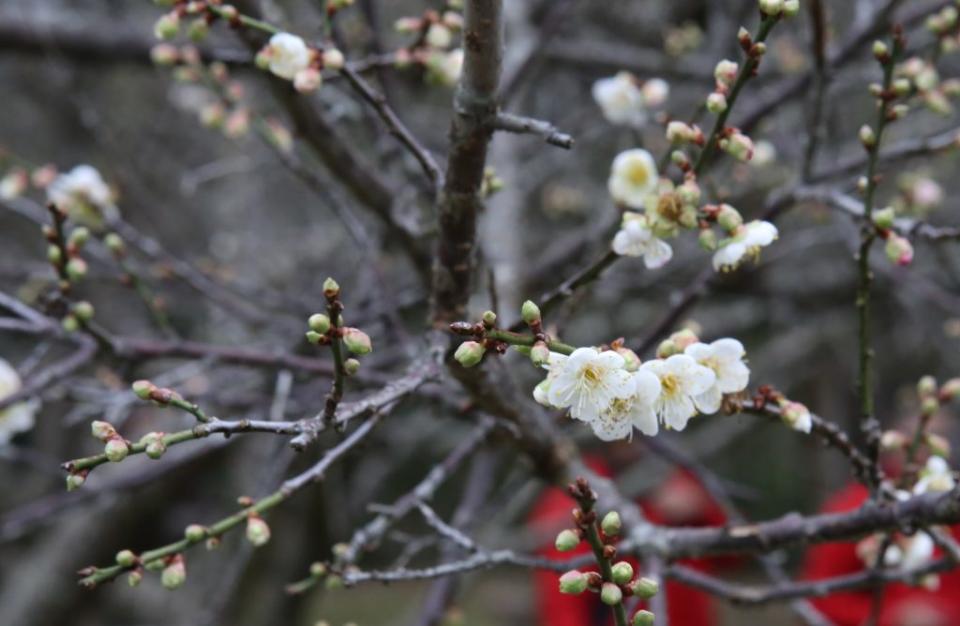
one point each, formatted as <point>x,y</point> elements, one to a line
<point>83,195</point>
<point>725,358</point>
<point>625,101</point>
<point>287,55</point>
<point>635,239</point>
<point>18,417</point>
<point>633,177</point>
<point>682,380</point>
<point>745,243</point>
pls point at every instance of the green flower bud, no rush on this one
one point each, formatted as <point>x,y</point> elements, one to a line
<point>610,594</point>
<point>126,558</point>
<point>880,51</point>
<point>333,583</point>
<point>80,236</point>
<point>116,450</point>
<point>114,244</point>
<point>195,533</point>
<point>530,313</point>
<point>610,525</point>
<point>154,445</point>
<point>622,572</point>
<point>318,569</point>
<point>212,543</point>
<point>791,8</point>
<point>314,337</point>
<point>70,324</point>
<point>867,137</point>
<point>198,30</point>
<point>926,386</point>
<point>667,348</point>
<point>351,366</point>
<point>319,323</point>
<point>167,26</point>
<point>630,358</point>
<point>155,566</point>
<point>76,268</point>
<point>929,406</point>
<point>258,533</point>
<point>883,218</point>
<point>707,239</point>
<point>573,582</point>
<point>134,577</point>
<point>540,354</point>
<point>54,255</point>
<point>729,218</point>
<point>357,341</point>
<point>771,7</point>
<point>469,353</point>
<point>102,431</point>
<point>331,288</point>
<point>83,310</point>
<point>75,481</point>
<point>174,574</point>
<point>143,389</point>
<point>950,389</point>
<point>489,318</point>
<point>645,588</point>
<point>567,540</point>
<point>643,618</point>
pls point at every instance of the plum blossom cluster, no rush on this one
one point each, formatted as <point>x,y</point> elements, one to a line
<point>435,43</point>
<point>656,209</point>
<point>627,101</point>
<point>18,417</point>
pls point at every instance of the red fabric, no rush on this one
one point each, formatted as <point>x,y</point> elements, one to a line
<point>902,605</point>
<point>679,501</point>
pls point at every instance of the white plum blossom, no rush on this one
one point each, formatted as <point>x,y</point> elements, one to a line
<point>83,195</point>
<point>621,100</point>
<point>553,366</point>
<point>725,358</point>
<point>681,380</point>
<point>935,477</point>
<point>634,411</point>
<point>18,417</point>
<point>633,177</point>
<point>588,382</point>
<point>635,239</point>
<point>655,92</point>
<point>918,551</point>
<point>745,243</point>
<point>287,54</point>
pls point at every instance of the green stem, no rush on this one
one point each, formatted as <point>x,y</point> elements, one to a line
<point>517,339</point>
<point>746,73</point>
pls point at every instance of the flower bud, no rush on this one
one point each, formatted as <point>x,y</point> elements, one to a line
<point>357,341</point>
<point>307,80</point>
<point>489,319</point>
<point>666,349</point>
<point>643,617</point>
<point>167,26</point>
<point>645,588</point>
<point>54,255</point>
<point>530,313</point>
<point>898,249</point>
<point>102,430</point>
<point>135,577</point>
<point>76,268</point>
<point>791,8</point>
<point>630,358</point>
<point>926,386</point>
<point>174,574</point>
<point>469,353</point>
<point>621,572</point>
<point>680,132</point>
<point>75,481</point>
<point>258,533</point>
<point>573,582</point>
<point>716,102</point>
<point>771,7</point>
<point>70,324</point>
<point>567,540</point>
<point>333,59</point>
<point>351,366</point>
<point>83,310</point>
<point>163,54</point>
<point>737,145</point>
<point>331,289</point>
<point>116,450</point>
<point>883,218</point>
<point>195,533</point>
<point>899,111</point>
<point>540,354</point>
<point>610,525</point>
<point>80,236</point>
<point>939,445</point>
<point>319,323</point>
<point>929,406</point>
<point>313,336</point>
<point>950,390</point>
<point>902,87</point>
<point>726,72</point>
<point>126,558</point>
<point>333,583</point>
<point>610,594</point>
<point>880,51</point>
<point>198,30</point>
<point>707,239</point>
<point>892,440</point>
<point>683,338</point>
<point>318,569</point>
<point>143,389</point>
<point>867,137</point>
<point>154,446</point>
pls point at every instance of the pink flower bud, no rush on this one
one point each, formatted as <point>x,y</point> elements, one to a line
<point>357,341</point>
<point>899,249</point>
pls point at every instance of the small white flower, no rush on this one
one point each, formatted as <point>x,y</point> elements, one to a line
<point>935,477</point>
<point>84,195</point>
<point>681,380</point>
<point>635,239</point>
<point>725,358</point>
<point>918,552</point>
<point>633,177</point>
<point>621,100</point>
<point>655,92</point>
<point>745,243</point>
<point>588,382</point>
<point>636,410</point>
<point>553,366</point>
<point>16,418</point>
<point>288,54</point>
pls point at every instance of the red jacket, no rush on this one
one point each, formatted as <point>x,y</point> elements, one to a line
<point>902,605</point>
<point>679,501</point>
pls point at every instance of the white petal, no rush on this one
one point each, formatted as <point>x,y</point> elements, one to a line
<point>645,419</point>
<point>611,429</point>
<point>729,255</point>
<point>760,233</point>
<point>700,352</point>
<point>676,411</point>
<point>646,387</point>
<point>658,253</point>
<point>733,377</point>
<point>728,349</point>
<point>709,401</point>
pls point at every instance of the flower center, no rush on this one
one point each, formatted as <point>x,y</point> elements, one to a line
<point>638,174</point>
<point>670,384</point>
<point>592,375</point>
<point>668,207</point>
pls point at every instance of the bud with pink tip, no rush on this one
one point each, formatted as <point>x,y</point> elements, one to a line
<point>610,594</point>
<point>258,532</point>
<point>307,80</point>
<point>573,583</point>
<point>116,449</point>
<point>899,249</point>
<point>175,573</point>
<point>357,341</point>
